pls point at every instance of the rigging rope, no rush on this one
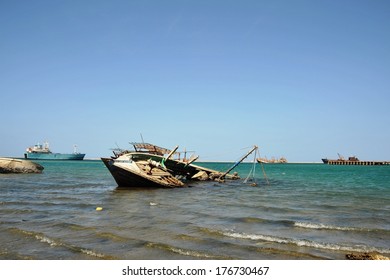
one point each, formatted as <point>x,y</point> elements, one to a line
<point>252,172</point>
<point>265,175</point>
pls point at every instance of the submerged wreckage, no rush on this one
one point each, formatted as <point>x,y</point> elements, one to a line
<point>151,166</point>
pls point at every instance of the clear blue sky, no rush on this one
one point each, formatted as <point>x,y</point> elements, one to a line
<point>301,79</point>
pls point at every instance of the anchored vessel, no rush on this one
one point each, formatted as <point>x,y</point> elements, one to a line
<point>43,152</point>
<point>272,160</point>
<point>352,161</point>
<point>152,166</point>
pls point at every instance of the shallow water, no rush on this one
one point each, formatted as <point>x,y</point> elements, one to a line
<point>307,211</point>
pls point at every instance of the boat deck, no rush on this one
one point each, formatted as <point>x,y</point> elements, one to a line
<point>349,162</point>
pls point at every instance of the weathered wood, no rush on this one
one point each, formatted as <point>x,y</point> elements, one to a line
<point>237,163</point>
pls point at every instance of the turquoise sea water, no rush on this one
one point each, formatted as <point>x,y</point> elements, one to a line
<point>307,211</point>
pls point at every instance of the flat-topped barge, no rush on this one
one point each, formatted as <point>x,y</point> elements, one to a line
<point>353,161</point>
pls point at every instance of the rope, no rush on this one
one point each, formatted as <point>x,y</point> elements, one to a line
<point>265,175</point>
<point>252,172</point>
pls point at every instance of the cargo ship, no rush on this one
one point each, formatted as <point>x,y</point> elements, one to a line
<point>43,152</point>
<point>353,161</point>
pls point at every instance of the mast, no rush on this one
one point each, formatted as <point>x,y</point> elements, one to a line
<point>171,153</point>
<point>238,162</point>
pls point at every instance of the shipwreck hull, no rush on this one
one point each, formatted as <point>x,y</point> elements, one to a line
<point>181,168</point>
<point>152,169</point>
<point>128,179</point>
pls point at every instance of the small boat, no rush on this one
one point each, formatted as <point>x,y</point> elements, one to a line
<point>262,160</point>
<point>40,151</point>
<point>152,166</point>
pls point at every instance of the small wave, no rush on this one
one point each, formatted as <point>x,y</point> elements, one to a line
<point>57,243</point>
<point>333,227</point>
<point>256,237</point>
<point>93,254</point>
<point>47,240</point>
<point>307,225</point>
<point>330,227</point>
<point>185,252</point>
<point>307,243</point>
<point>191,253</point>
<point>38,236</point>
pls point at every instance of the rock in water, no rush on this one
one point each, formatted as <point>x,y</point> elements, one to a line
<point>366,256</point>
<point>11,165</point>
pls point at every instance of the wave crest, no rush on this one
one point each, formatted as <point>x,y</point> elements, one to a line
<point>334,227</point>
<point>58,243</point>
<point>185,252</point>
<point>329,227</point>
<point>307,243</point>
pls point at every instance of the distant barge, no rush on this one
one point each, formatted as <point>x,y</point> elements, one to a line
<point>353,161</point>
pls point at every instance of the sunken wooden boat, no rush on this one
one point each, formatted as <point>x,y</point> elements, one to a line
<point>128,172</point>
<point>152,166</point>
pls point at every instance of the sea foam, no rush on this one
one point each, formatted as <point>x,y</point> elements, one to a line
<point>328,227</point>
<point>307,243</point>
